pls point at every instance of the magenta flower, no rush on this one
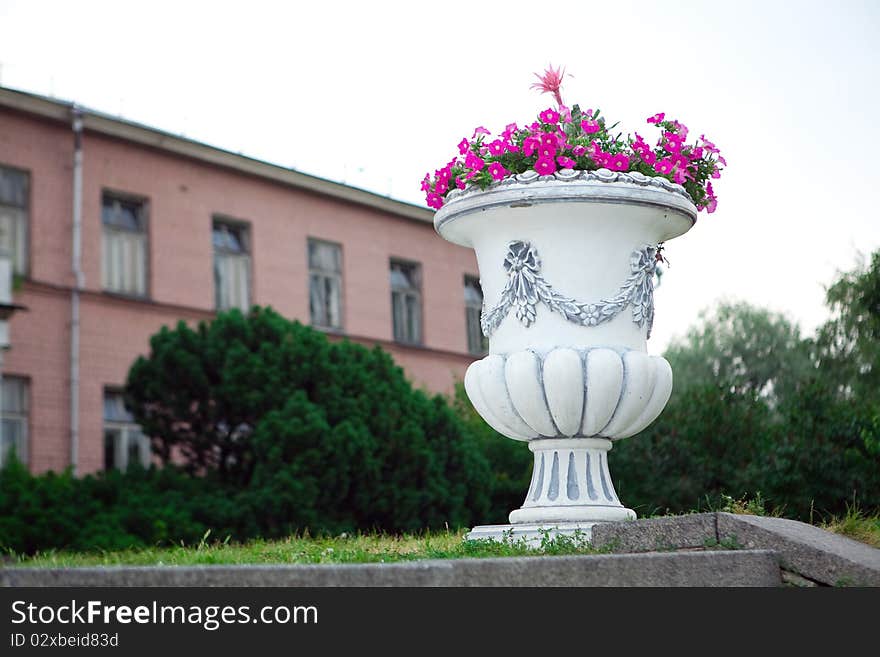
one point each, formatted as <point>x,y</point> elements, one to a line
<point>463,146</point>
<point>441,186</point>
<point>445,173</point>
<point>497,147</point>
<point>508,131</point>
<point>566,162</point>
<point>679,175</point>
<point>459,183</point>
<point>618,162</point>
<point>511,148</point>
<point>426,183</point>
<point>480,131</point>
<point>579,151</point>
<point>696,153</point>
<point>529,145</point>
<point>681,129</point>
<point>497,171</point>
<point>657,118</point>
<point>546,151</point>
<point>549,139</point>
<point>549,116</point>
<point>551,82</point>
<point>648,157</point>
<point>664,166</point>
<point>672,143</point>
<point>474,162</point>
<point>589,126</point>
<point>434,201</point>
<point>545,166</point>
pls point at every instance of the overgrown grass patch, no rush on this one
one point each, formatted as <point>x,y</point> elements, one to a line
<point>306,549</point>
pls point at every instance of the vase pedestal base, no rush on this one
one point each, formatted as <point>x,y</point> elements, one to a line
<point>532,533</point>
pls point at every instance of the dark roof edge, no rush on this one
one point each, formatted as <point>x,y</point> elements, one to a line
<point>99,122</point>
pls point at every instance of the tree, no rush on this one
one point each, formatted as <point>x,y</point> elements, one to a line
<point>319,434</point>
<point>743,349</point>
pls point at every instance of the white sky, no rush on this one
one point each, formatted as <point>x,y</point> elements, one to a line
<point>378,93</point>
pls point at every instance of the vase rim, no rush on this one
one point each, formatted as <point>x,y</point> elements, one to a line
<point>602,186</point>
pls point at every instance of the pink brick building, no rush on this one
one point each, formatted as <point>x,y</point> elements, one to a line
<point>172,229</point>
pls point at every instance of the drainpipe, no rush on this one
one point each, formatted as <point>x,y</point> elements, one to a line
<point>78,284</point>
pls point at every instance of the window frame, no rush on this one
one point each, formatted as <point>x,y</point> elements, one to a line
<point>470,308</point>
<point>246,228</point>
<point>126,430</point>
<point>340,275</point>
<point>23,416</point>
<point>419,295</point>
<point>144,202</point>
<point>25,271</point>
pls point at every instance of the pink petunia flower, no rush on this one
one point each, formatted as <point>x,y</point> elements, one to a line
<point>565,114</point>
<point>679,175</point>
<point>426,183</point>
<point>551,82</point>
<point>508,131</point>
<point>441,187</point>
<point>546,151</point>
<point>618,162</point>
<point>549,139</point>
<point>529,145</point>
<point>545,166</point>
<point>664,166</point>
<point>434,201</point>
<point>497,147</point>
<point>480,131</point>
<point>589,126</point>
<point>497,171</point>
<point>474,162</point>
<point>657,118</point>
<point>566,162</point>
<point>463,146</point>
<point>672,143</point>
<point>459,183</point>
<point>649,157</point>
<point>549,116</point>
<point>579,151</point>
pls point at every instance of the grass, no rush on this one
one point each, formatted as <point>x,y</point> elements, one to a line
<point>357,548</point>
<point>385,548</point>
<point>856,524</point>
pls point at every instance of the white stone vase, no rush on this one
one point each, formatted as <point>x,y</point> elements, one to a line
<point>567,265</point>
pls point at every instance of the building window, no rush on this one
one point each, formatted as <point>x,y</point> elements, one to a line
<point>13,418</point>
<point>14,194</point>
<point>232,265</point>
<point>478,344</point>
<point>406,301</point>
<point>124,245</point>
<point>325,284</point>
<point>124,444</point>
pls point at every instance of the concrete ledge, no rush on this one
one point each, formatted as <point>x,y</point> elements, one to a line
<point>708,568</point>
<point>810,552</point>
<point>698,530</point>
<point>804,550</point>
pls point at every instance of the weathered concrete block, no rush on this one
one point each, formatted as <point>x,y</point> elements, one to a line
<point>656,534</point>
<point>806,550</point>
<point>715,568</point>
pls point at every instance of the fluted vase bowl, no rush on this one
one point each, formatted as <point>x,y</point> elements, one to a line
<point>567,264</point>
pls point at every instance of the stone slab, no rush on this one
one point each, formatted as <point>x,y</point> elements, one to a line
<point>532,534</point>
<point>709,568</point>
<point>697,530</point>
<point>811,552</point>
